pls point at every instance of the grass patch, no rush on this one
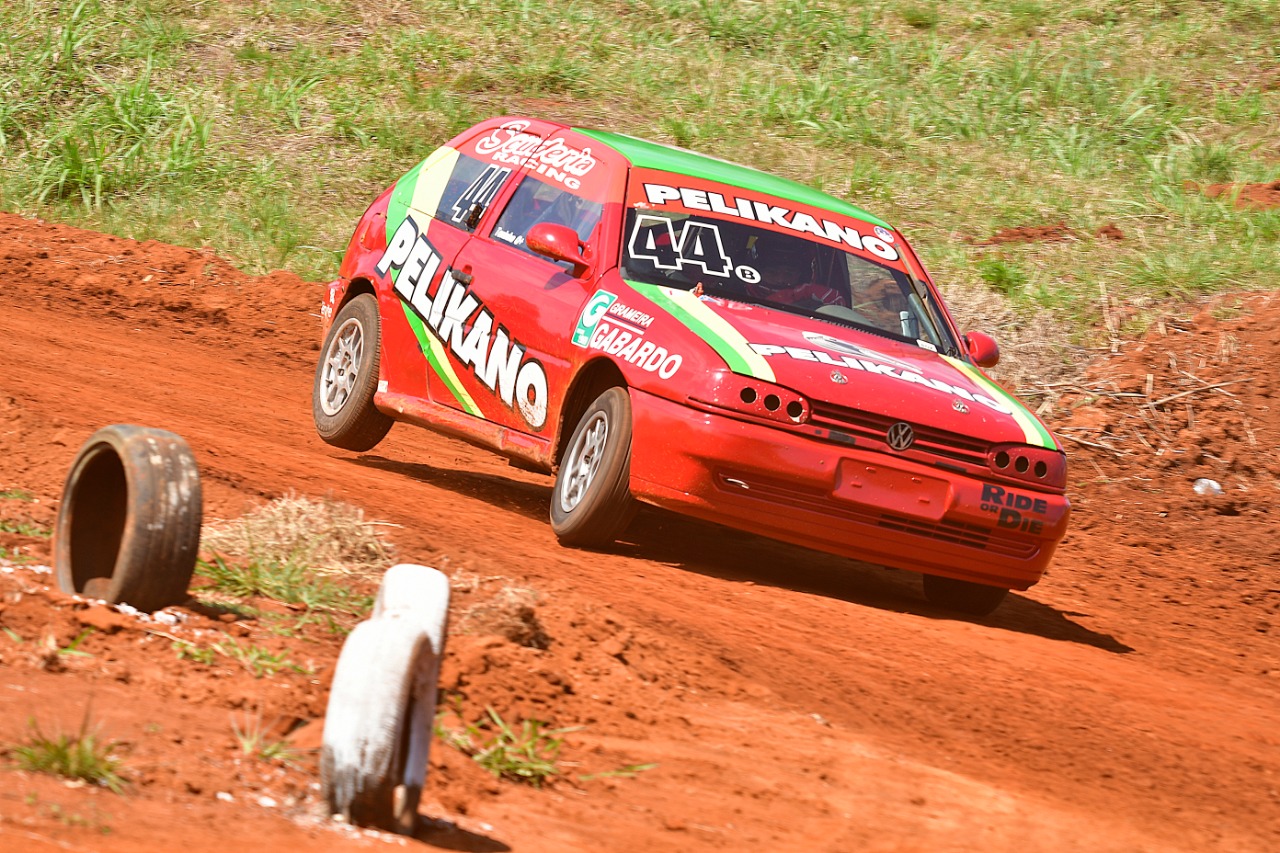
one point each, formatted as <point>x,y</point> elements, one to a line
<point>265,129</point>
<point>529,755</point>
<point>289,582</point>
<point>259,661</point>
<point>17,495</point>
<point>630,771</point>
<point>24,528</point>
<point>256,742</point>
<point>14,557</point>
<point>326,535</point>
<point>82,756</point>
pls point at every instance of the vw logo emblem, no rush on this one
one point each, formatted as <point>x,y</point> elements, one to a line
<point>901,435</point>
<point>838,377</point>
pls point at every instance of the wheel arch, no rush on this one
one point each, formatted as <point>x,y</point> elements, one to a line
<point>591,380</point>
<point>355,288</point>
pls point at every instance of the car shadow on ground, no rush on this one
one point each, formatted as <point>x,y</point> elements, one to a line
<point>528,499</point>
<point>721,552</point>
<point>716,551</point>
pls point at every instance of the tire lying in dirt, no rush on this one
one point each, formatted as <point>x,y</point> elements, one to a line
<point>347,377</point>
<point>971,599</point>
<point>129,526</point>
<point>591,503</point>
<point>378,726</point>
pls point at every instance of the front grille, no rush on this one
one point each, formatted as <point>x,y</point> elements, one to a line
<point>929,443</point>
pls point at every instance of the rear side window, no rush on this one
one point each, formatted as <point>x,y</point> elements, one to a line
<point>470,188</point>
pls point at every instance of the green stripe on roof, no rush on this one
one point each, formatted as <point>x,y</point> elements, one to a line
<point>718,333</point>
<point>665,158</point>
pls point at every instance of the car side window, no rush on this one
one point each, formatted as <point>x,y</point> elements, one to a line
<point>536,201</point>
<point>471,187</point>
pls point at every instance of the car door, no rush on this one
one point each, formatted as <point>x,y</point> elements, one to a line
<point>432,212</point>
<point>528,304</point>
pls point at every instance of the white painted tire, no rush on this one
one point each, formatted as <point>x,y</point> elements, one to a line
<point>377,731</point>
<point>419,593</point>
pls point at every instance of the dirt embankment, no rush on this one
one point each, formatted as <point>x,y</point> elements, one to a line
<point>789,700</point>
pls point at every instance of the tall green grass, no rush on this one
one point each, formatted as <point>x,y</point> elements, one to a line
<point>263,129</point>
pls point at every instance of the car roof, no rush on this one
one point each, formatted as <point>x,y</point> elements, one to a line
<point>668,158</point>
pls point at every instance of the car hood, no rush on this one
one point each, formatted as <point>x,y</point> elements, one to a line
<point>841,366</point>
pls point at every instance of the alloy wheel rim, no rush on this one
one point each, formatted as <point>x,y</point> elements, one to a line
<point>341,367</point>
<point>583,461</point>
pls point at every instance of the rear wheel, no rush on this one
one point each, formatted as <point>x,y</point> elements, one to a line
<point>591,502</point>
<point>972,599</point>
<point>347,377</point>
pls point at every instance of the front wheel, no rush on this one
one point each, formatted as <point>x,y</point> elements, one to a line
<point>972,599</point>
<point>347,377</point>
<point>591,503</point>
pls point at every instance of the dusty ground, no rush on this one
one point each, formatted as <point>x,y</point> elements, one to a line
<point>1059,232</point>
<point>1247,195</point>
<point>790,701</point>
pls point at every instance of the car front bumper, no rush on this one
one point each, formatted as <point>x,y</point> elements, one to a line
<point>841,498</point>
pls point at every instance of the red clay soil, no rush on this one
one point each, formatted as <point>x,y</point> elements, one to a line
<point>789,700</point>
<point>1247,195</point>
<point>1057,233</point>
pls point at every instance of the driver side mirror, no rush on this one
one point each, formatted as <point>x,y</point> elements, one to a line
<point>983,349</point>
<point>559,243</point>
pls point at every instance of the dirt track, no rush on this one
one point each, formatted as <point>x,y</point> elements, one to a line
<point>792,701</point>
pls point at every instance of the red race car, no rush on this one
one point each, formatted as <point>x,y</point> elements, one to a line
<point>654,325</point>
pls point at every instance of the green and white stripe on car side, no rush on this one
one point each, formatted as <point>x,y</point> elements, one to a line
<point>719,334</point>
<point>421,189</point>
<point>1032,429</point>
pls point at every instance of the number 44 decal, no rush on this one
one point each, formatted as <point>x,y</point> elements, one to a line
<point>654,239</point>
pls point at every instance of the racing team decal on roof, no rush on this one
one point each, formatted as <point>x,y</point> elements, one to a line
<point>554,159</point>
<point>457,319</point>
<point>697,200</point>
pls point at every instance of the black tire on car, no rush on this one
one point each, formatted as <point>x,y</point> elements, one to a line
<point>378,727</point>
<point>591,503</point>
<point>971,599</point>
<point>347,377</point>
<point>128,529</point>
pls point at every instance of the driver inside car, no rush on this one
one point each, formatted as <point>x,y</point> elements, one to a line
<point>788,270</point>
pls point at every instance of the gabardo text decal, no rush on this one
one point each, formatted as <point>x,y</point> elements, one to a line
<point>459,320</point>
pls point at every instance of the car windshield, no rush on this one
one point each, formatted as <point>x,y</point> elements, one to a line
<point>746,262</point>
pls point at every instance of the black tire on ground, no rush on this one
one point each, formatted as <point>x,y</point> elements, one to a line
<point>591,503</point>
<point>378,727</point>
<point>128,528</point>
<point>972,599</point>
<point>347,377</point>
